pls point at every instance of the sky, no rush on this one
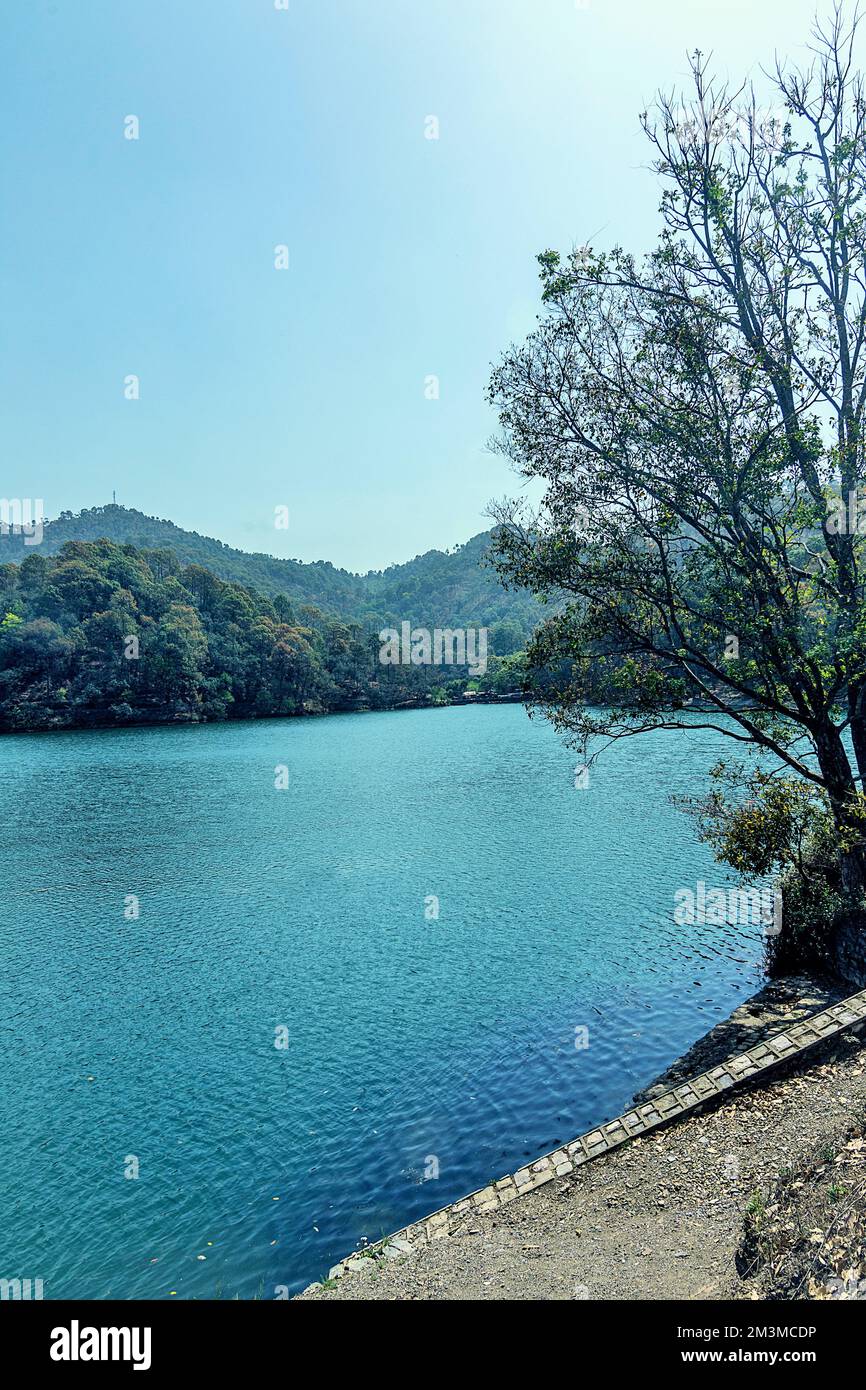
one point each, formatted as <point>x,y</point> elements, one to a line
<point>409,258</point>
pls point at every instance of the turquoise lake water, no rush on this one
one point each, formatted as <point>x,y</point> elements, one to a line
<point>415,1046</point>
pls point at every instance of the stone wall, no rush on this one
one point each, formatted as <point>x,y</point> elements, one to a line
<point>848,948</point>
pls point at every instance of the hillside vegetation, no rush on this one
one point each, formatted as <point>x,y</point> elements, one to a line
<point>438,589</point>
<point>104,633</point>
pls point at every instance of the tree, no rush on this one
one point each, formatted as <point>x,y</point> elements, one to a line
<point>37,647</point>
<point>507,637</point>
<point>696,417</point>
<point>176,654</point>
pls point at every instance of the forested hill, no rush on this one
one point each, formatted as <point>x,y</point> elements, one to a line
<point>105,633</point>
<point>438,589</point>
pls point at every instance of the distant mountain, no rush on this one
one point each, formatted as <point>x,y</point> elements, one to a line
<point>437,589</point>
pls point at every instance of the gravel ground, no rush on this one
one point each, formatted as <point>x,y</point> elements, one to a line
<point>661,1218</point>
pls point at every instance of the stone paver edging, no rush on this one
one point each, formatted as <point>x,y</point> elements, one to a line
<point>670,1105</point>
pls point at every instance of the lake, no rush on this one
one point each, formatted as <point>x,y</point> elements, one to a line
<point>419,1055</point>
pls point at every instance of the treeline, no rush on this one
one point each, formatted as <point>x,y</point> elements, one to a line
<point>440,588</point>
<point>106,633</point>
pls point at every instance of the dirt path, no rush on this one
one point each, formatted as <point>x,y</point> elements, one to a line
<point>660,1218</point>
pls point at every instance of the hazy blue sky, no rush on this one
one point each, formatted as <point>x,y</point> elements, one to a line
<point>408,256</point>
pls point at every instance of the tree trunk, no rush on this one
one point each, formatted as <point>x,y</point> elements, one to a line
<point>857,715</point>
<point>845,804</point>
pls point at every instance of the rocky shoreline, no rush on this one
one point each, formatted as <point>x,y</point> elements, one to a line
<point>619,1226</point>
<point>775,1007</point>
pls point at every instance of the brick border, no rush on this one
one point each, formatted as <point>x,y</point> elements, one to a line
<point>680,1100</point>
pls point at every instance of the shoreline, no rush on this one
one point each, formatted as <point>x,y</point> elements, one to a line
<point>172,721</point>
<point>782,1024</point>
<point>771,1009</point>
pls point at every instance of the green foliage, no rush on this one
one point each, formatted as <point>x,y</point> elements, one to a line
<point>103,633</point>
<point>441,588</point>
<point>764,825</point>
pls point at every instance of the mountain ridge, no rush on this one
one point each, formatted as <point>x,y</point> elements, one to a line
<point>437,588</point>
